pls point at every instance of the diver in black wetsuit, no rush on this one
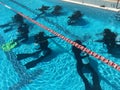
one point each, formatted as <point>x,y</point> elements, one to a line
<point>23,32</point>
<point>74,17</point>
<point>77,52</point>
<point>16,20</point>
<point>57,10</point>
<point>109,39</point>
<point>43,9</point>
<point>42,40</point>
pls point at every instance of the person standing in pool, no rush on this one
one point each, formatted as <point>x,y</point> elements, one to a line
<point>80,64</point>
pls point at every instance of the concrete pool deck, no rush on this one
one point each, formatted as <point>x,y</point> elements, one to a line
<point>110,0</point>
<point>96,5</point>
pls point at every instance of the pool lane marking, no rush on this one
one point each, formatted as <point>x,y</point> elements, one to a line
<point>103,59</point>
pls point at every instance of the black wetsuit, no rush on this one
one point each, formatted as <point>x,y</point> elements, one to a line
<point>42,41</point>
<point>23,32</point>
<point>80,65</point>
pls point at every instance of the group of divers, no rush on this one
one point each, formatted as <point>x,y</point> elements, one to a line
<point>110,40</point>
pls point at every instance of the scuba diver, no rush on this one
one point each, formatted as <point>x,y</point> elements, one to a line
<point>23,31</point>
<point>42,41</point>
<point>57,10</point>
<point>17,20</point>
<point>74,17</point>
<point>79,56</point>
<point>109,39</point>
<point>43,9</point>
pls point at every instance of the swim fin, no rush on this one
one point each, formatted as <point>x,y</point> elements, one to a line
<point>26,55</point>
<point>99,41</point>
<point>9,46</point>
<point>7,30</point>
<point>5,25</point>
<point>35,62</point>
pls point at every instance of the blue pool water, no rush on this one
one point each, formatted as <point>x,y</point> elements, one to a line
<point>57,71</point>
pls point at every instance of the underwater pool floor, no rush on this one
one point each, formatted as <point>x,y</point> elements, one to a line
<point>57,71</point>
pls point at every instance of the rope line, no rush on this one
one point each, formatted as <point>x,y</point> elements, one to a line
<point>97,56</point>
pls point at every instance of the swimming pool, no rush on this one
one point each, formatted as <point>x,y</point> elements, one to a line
<point>57,71</point>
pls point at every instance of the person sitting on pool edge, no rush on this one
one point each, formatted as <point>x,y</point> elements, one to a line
<point>85,64</point>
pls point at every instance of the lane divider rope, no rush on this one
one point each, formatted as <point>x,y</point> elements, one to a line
<point>97,56</point>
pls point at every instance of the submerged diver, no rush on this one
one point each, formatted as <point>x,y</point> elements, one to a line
<point>42,41</point>
<point>44,50</point>
<point>57,10</point>
<point>43,9</point>
<point>109,39</point>
<point>23,32</point>
<point>80,65</point>
<point>16,20</point>
<point>74,17</point>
